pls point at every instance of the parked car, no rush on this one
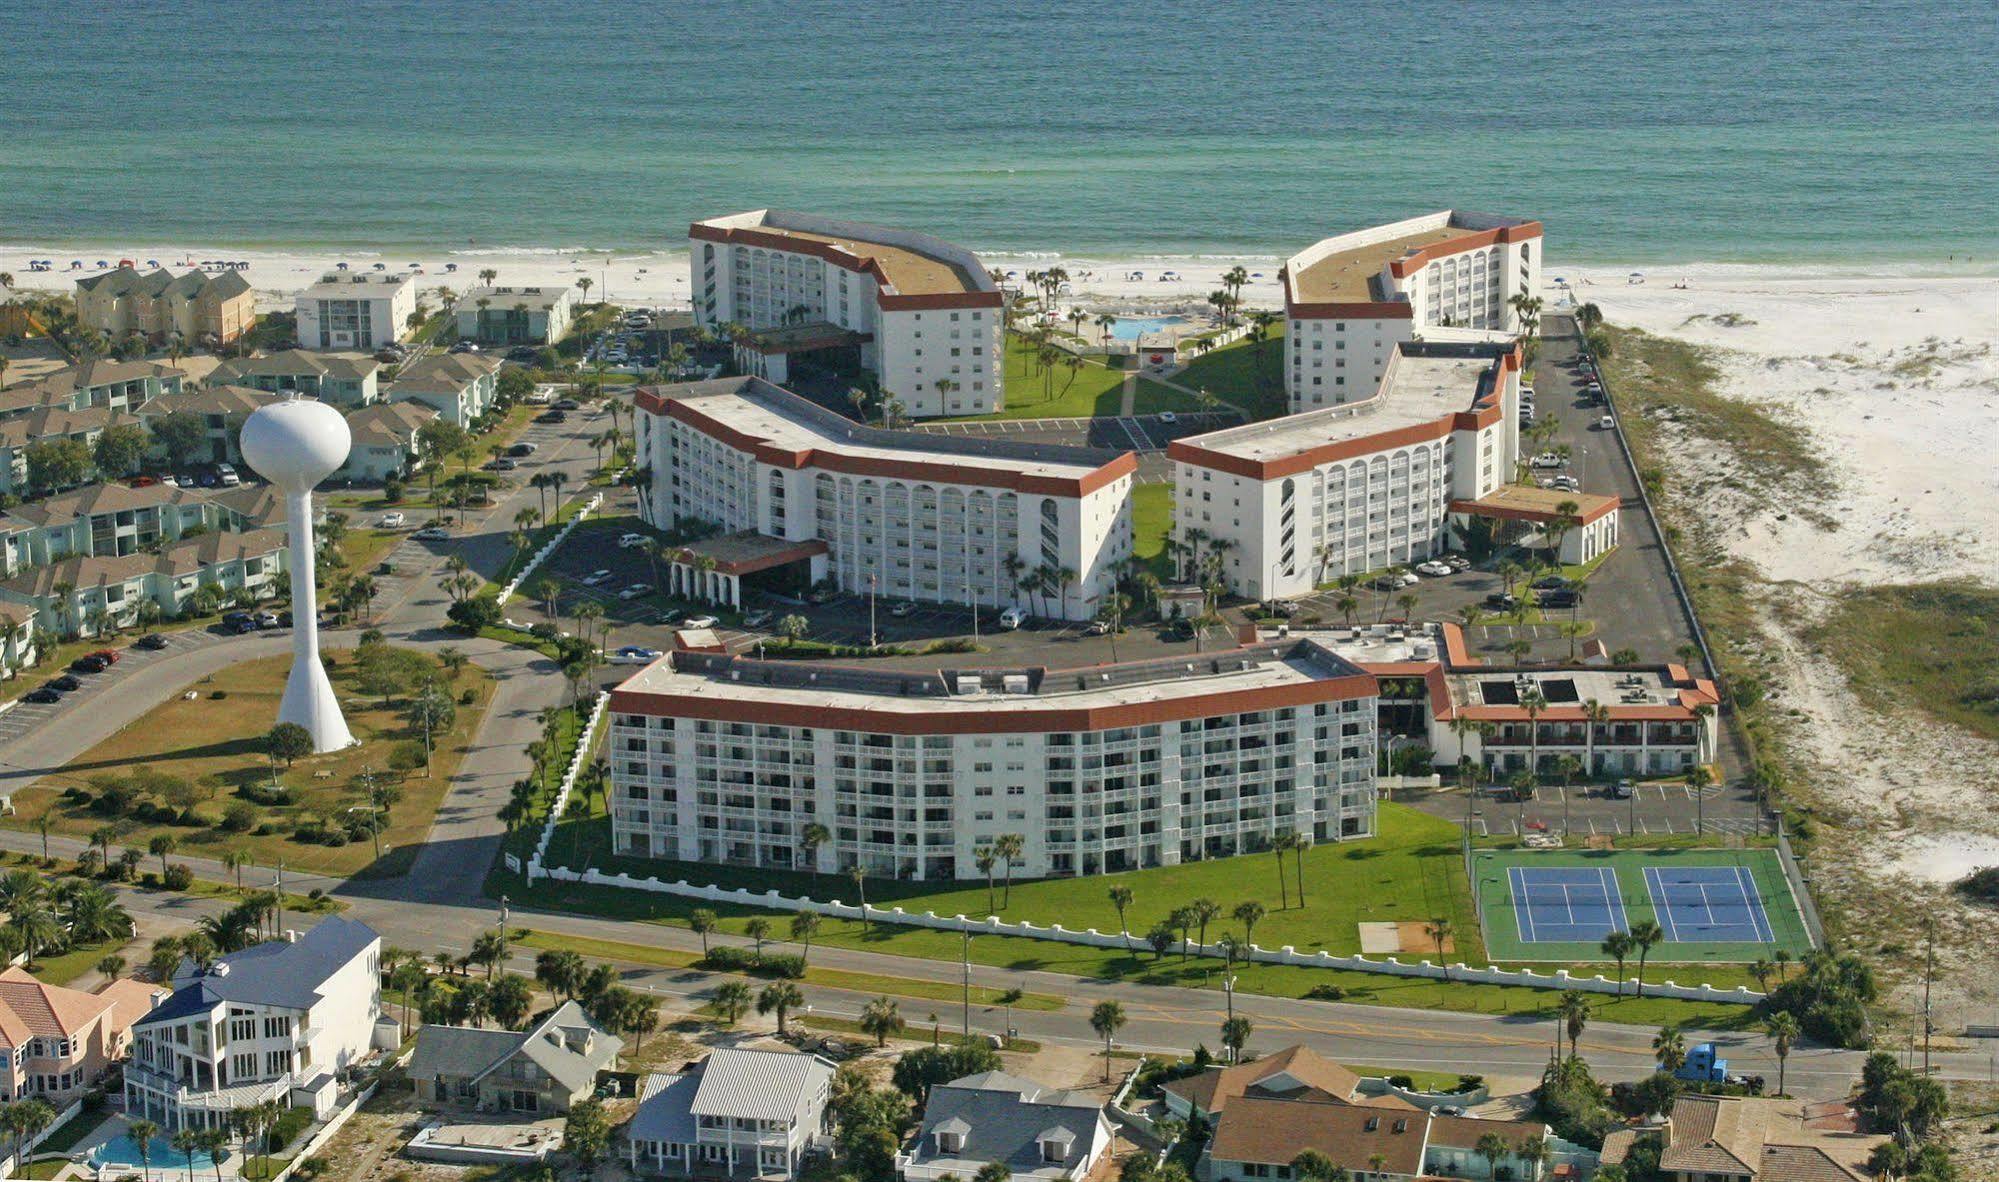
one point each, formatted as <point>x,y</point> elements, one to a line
<point>267,619</point>
<point>42,695</point>
<point>64,683</point>
<point>1278,607</point>
<point>1552,583</point>
<point>142,481</point>
<point>523,449</point>
<point>1168,417</point>
<point>699,622</point>
<point>500,464</point>
<point>151,642</point>
<point>1435,569</point>
<point>1097,628</point>
<point>1548,459</point>
<point>631,541</point>
<point>390,521</point>
<point>568,404</point>
<point>1557,599</point>
<point>668,616</point>
<point>633,654</point>
<point>107,655</point>
<point>525,354</point>
<point>634,591</point>
<point>1566,483</point>
<point>901,608</point>
<point>538,398</point>
<point>1012,618</point>
<point>89,665</point>
<point>597,578</point>
<point>1501,601</point>
<point>1623,789</point>
<point>551,416</point>
<point>432,533</point>
<point>227,475</point>
<point>759,619</point>
<point>1458,562</point>
<point>1606,423</point>
<point>822,595</point>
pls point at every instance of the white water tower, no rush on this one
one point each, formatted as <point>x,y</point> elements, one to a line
<point>295,443</point>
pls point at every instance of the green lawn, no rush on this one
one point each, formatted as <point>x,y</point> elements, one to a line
<point>1152,526</point>
<point>1249,377</point>
<point>1090,392</point>
<point>1413,871</point>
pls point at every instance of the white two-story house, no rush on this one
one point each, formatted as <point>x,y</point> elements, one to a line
<point>276,1021</point>
<point>743,1114</point>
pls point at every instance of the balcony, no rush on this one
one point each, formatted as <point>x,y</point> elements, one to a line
<point>213,1099</point>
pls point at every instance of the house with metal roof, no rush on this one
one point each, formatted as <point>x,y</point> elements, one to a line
<point>1034,1131</point>
<point>739,1114</point>
<point>281,1020</point>
<point>544,1069</point>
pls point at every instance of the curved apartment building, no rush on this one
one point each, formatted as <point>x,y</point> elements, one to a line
<point>1351,300</point>
<point>923,314</point>
<point>908,515</point>
<point>1111,767</point>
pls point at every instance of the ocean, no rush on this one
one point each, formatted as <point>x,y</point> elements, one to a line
<point>1787,131</point>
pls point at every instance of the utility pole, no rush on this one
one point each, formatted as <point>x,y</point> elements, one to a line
<point>1929,971</point>
<point>281,898</point>
<point>965,968</point>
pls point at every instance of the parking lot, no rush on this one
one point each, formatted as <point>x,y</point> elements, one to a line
<point>1653,808</point>
<point>30,716</point>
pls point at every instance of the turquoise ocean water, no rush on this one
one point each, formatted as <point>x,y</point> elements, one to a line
<point>1782,131</point>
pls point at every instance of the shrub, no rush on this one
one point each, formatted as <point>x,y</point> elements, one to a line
<point>239,817</point>
<point>729,958</point>
<point>1405,1082</point>
<point>266,829</point>
<point>1981,884</point>
<point>475,613</point>
<point>265,793</point>
<point>290,1123</point>
<point>468,697</point>
<point>1325,991</point>
<point>179,877</point>
<point>218,695</point>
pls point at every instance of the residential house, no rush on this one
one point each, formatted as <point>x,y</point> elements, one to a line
<point>545,1069</point>
<point>1294,1073</point>
<point>197,306</point>
<point>115,385</point>
<point>276,1021</point>
<point>69,595</point>
<point>385,440</point>
<point>1755,1139</point>
<point>459,386</point>
<point>47,423</point>
<point>222,409</point>
<point>741,1114</point>
<point>1036,1132</point>
<point>115,519</point>
<point>131,999</point>
<point>344,379</point>
<point>55,1043</point>
<point>515,315</point>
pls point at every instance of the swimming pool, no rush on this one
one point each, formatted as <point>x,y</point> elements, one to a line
<point>121,1152</point>
<point>1130,330</point>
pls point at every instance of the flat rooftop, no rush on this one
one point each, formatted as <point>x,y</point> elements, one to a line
<point>909,272</point>
<point>782,419</point>
<point>354,285</point>
<point>1423,384</point>
<point>1350,276</point>
<point>1526,502</point>
<point>504,298</point>
<point>914,264</point>
<point>916,691</point>
<point>1569,686</point>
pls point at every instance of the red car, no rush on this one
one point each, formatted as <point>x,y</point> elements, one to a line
<point>142,481</point>
<point>108,655</point>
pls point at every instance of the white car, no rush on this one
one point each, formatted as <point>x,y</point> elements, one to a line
<point>631,541</point>
<point>1606,423</point>
<point>1408,578</point>
<point>596,578</point>
<point>1568,484</point>
<point>635,590</point>
<point>1434,569</point>
<point>1168,417</point>
<point>902,608</point>
<point>390,521</point>
<point>633,654</point>
<point>1012,618</point>
<point>1548,459</point>
<point>698,622</point>
<point>539,398</point>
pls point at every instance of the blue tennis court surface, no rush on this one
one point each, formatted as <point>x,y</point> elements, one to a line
<point>1708,903</point>
<point>1566,903</point>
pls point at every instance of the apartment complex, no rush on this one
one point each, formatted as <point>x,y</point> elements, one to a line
<point>1630,720</point>
<point>1349,301</point>
<point>515,315</point>
<point>950,519</point>
<point>355,310</point>
<point>385,440</point>
<point>197,307</point>
<point>1293,502</point>
<point>344,379</point>
<point>1110,767</point>
<point>115,520</point>
<point>80,595</point>
<point>458,386</point>
<point>100,384</point>
<point>920,313</point>
<point>276,1021</point>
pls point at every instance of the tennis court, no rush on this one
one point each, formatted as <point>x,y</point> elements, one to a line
<point>1719,905</point>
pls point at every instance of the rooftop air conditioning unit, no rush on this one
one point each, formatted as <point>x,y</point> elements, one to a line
<point>1014,683</point>
<point>969,685</point>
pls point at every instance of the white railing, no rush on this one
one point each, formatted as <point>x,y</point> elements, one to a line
<point>576,761</point>
<point>993,925</point>
<point>549,547</point>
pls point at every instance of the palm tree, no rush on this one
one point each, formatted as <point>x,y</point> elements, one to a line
<point>1106,1019</point>
<point>1670,1048</point>
<point>811,838</point>
<point>993,1171</point>
<point>758,929</point>
<point>1492,1147</point>
<point>732,1001</point>
<point>1575,1016</point>
<point>1618,945</point>
<point>1782,1027</point>
<point>1277,848</point>
<point>779,997</point>
<point>1121,898</point>
<point>187,1142</point>
<point>986,860</point>
<point>1298,843</point>
<point>1249,913</point>
<point>1204,911</point>
<point>1645,934</point>
<point>142,1132</point>
<point>1439,931</point>
<point>881,1018</point>
<point>804,926</point>
<point>1009,847</point>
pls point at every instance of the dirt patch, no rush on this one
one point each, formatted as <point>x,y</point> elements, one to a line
<point>1416,939</point>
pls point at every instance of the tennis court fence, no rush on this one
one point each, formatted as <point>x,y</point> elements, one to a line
<point>1795,875</point>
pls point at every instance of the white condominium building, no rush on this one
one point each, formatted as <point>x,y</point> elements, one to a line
<point>908,515</point>
<point>1445,276</point>
<point>1293,502</point>
<point>923,314</point>
<point>1110,767</point>
<point>355,310</point>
